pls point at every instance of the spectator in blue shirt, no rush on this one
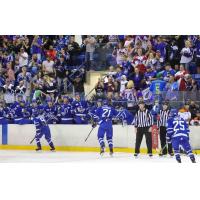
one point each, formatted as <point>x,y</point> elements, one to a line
<point>161,47</point>
<point>36,46</point>
<point>167,72</point>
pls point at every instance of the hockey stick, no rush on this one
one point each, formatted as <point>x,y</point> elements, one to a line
<point>89,134</point>
<point>32,140</point>
<point>163,148</point>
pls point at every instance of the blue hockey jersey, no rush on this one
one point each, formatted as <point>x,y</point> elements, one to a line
<point>80,109</point>
<point>126,116</point>
<point>104,115</point>
<point>50,114</point>
<point>177,127</point>
<point>66,113</point>
<point>41,124</point>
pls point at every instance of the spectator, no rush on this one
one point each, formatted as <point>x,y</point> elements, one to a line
<point>61,74</point>
<point>171,88</point>
<point>110,86</point>
<point>130,53</point>
<point>196,120</point>
<point>50,86</point>
<point>160,46</point>
<point>99,88</point>
<point>193,108</point>
<point>168,72</point>
<point>8,90</point>
<point>151,61</point>
<point>73,50</point>
<point>139,61</point>
<point>90,43</point>
<point>185,113</point>
<point>158,66</point>
<point>194,86</point>
<point>26,45</point>
<point>26,77</point>
<point>180,77</point>
<point>10,73</point>
<point>137,77</point>
<point>34,64</point>
<point>186,55</point>
<point>149,50</point>
<point>36,47</point>
<point>131,96</point>
<point>48,66</point>
<point>23,58</point>
<point>197,57</point>
<point>123,83</point>
<point>51,53</point>
<point>173,54</point>
<point>120,53</point>
<point>119,72</point>
<point>112,72</point>
<point>78,84</point>
<point>150,75</point>
<point>21,89</point>
<point>128,41</point>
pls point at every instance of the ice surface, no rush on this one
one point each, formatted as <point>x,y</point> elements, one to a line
<point>11,156</point>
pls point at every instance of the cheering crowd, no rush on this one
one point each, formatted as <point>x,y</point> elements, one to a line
<point>45,70</point>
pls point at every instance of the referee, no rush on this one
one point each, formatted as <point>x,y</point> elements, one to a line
<point>161,123</point>
<point>143,123</point>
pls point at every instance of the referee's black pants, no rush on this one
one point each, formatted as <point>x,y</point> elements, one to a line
<point>139,135</point>
<point>163,132</point>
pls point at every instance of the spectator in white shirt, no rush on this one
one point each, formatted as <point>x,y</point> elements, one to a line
<point>186,55</point>
<point>23,58</point>
<point>48,66</point>
<point>123,83</point>
<point>120,53</point>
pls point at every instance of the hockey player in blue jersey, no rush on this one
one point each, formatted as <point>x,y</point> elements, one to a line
<point>126,117</point>
<point>178,134</point>
<point>80,108</point>
<point>42,128</point>
<point>3,113</point>
<point>66,112</point>
<point>21,113</point>
<point>36,109</point>
<point>50,112</point>
<point>104,117</point>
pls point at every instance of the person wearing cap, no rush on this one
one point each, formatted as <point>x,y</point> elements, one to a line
<point>162,118</point>
<point>143,124</point>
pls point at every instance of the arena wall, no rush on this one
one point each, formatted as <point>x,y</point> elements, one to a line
<point>71,137</point>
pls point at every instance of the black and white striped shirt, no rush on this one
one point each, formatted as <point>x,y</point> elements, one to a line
<point>143,118</point>
<point>164,115</point>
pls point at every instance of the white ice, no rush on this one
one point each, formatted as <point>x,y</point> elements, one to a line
<point>11,156</point>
